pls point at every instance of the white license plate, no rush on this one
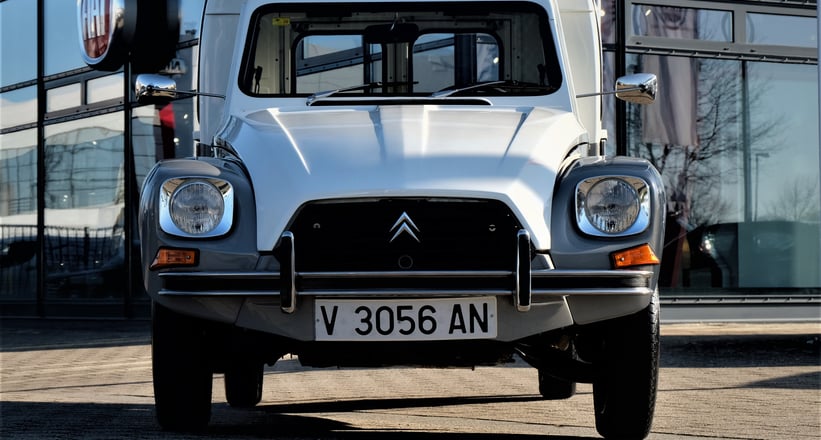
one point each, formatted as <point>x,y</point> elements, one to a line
<point>405,319</point>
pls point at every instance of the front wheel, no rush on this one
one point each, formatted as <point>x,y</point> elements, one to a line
<point>624,391</point>
<point>553,388</point>
<point>182,376</point>
<point>243,384</point>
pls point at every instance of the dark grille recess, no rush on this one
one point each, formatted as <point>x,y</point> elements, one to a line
<point>373,235</point>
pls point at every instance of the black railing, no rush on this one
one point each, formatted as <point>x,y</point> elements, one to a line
<point>69,252</point>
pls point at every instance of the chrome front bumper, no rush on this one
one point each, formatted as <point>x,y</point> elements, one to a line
<point>526,286</point>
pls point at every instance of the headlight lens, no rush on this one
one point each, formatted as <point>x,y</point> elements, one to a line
<point>612,206</point>
<point>196,207</point>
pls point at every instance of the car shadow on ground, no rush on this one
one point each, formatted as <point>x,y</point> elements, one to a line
<point>398,403</point>
<point>91,421</point>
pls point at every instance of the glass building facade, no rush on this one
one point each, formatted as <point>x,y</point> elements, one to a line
<point>734,133</point>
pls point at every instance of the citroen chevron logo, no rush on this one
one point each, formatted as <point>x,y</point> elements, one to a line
<point>404,225</point>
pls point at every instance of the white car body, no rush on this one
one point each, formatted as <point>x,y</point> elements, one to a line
<point>455,227</point>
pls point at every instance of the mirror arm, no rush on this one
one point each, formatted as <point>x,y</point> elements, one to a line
<point>209,95</point>
<point>613,92</point>
<point>146,91</point>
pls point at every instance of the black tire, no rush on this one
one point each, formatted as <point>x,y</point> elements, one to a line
<point>182,376</point>
<point>243,384</point>
<point>624,391</point>
<point>553,388</point>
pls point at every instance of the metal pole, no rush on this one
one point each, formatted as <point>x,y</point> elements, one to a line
<point>745,144</point>
<point>818,8</point>
<point>41,162</point>
<point>620,68</point>
<point>129,185</point>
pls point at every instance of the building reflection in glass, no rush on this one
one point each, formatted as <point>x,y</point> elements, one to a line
<point>18,215</point>
<point>740,170</point>
<point>84,206</point>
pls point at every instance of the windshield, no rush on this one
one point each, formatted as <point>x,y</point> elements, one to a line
<point>399,49</point>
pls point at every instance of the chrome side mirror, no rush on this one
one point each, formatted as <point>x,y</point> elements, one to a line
<point>149,87</point>
<point>153,88</point>
<point>638,88</point>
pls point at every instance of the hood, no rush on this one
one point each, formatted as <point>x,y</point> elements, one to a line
<point>506,154</point>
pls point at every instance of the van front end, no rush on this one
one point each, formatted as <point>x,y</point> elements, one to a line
<point>403,183</point>
<point>406,280</point>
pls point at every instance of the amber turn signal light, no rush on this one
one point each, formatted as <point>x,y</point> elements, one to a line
<point>167,257</point>
<point>637,256</point>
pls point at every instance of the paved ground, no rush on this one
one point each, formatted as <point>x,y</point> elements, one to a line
<point>62,379</point>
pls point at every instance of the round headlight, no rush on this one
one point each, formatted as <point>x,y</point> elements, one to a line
<point>611,205</point>
<point>197,207</point>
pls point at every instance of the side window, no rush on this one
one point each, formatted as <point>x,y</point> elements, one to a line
<point>454,60</point>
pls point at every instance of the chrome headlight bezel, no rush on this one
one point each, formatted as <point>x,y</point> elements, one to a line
<point>637,207</point>
<point>223,200</point>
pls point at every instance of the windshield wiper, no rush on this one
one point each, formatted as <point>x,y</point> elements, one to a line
<point>503,86</point>
<point>371,85</point>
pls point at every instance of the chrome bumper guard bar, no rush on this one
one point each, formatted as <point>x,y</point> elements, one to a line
<point>526,286</point>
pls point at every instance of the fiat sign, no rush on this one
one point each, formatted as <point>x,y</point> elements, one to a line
<point>143,33</point>
<point>95,24</point>
<point>102,25</point>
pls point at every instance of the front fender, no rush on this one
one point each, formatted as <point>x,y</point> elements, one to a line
<point>573,249</point>
<point>235,250</point>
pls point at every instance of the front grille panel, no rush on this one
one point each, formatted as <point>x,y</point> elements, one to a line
<point>405,234</point>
